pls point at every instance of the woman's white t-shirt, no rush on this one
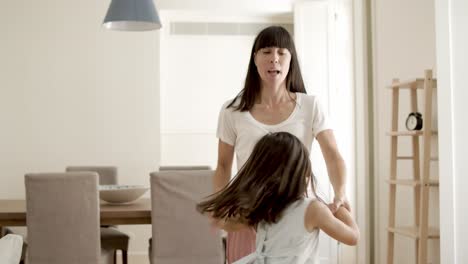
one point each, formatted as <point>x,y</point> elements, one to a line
<point>243,131</point>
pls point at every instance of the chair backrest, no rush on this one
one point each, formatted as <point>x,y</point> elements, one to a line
<point>172,168</point>
<point>107,174</point>
<point>62,216</point>
<point>180,234</point>
<point>10,249</point>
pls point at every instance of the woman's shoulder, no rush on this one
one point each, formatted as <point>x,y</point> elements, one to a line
<point>308,99</point>
<point>230,106</point>
<point>310,105</point>
<point>231,103</point>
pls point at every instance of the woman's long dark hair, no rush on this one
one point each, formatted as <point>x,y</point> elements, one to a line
<point>276,174</point>
<point>274,36</point>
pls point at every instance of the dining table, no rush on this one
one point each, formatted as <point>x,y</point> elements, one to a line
<point>13,213</point>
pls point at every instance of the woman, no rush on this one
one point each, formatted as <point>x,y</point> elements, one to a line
<point>273,99</point>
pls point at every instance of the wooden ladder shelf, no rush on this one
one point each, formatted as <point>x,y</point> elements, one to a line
<point>420,183</point>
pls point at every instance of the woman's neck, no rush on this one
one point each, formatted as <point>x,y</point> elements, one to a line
<point>273,95</point>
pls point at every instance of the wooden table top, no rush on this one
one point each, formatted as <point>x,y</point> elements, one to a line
<point>13,213</point>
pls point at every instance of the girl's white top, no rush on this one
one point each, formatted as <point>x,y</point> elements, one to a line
<point>243,131</point>
<point>286,242</point>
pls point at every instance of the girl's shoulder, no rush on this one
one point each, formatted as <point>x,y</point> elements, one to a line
<point>300,207</point>
<point>295,215</point>
<point>315,212</point>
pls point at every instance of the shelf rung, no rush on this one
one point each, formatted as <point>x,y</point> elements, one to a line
<point>404,182</point>
<point>413,231</point>
<point>433,183</point>
<point>414,183</point>
<point>412,157</point>
<point>405,157</point>
<point>408,133</point>
<point>405,133</point>
<point>411,84</point>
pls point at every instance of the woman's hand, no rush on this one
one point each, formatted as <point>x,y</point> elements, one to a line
<point>336,169</point>
<point>339,201</point>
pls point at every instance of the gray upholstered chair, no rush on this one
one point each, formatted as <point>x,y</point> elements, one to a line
<point>193,167</point>
<point>180,234</point>
<point>20,231</point>
<point>10,249</point>
<point>111,238</point>
<point>172,168</point>
<point>107,174</point>
<point>62,216</point>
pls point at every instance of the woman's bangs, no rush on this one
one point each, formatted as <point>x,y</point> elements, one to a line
<point>274,37</point>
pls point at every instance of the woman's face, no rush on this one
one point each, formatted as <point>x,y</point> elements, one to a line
<point>273,64</point>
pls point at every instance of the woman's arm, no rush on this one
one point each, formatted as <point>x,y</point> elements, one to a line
<point>340,226</point>
<point>220,180</point>
<point>335,166</point>
<point>223,169</point>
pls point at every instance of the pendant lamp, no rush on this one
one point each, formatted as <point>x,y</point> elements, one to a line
<point>132,15</point>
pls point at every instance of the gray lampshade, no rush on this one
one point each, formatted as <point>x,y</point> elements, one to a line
<point>132,15</point>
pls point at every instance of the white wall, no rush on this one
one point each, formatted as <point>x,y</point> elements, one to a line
<point>403,47</point>
<point>452,58</point>
<point>72,93</point>
<point>226,6</point>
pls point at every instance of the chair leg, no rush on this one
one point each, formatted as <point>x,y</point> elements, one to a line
<point>115,256</point>
<point>124,256</point>
<point>225,249</point>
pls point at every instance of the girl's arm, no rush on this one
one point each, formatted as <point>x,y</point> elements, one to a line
<point>223,168</point>
<point>340,226</point>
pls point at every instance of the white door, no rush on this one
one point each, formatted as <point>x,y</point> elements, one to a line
<point>324,46</point>
<point>199,73</point>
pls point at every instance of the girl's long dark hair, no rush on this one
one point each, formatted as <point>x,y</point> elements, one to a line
<point>274,36</point>
<point>276,174</point>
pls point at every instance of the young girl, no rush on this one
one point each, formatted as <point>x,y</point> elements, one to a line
<point>270,195</point>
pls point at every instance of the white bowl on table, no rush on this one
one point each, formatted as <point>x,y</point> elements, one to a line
<point>121,193</point>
